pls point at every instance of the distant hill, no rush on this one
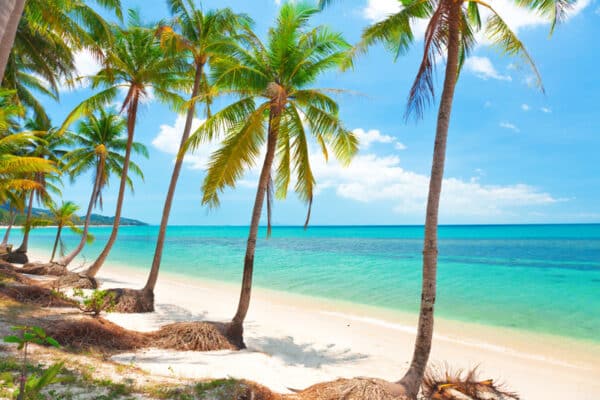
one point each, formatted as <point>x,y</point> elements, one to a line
<point>97,219</point>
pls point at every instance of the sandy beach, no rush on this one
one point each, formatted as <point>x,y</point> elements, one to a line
<point>295,341</point>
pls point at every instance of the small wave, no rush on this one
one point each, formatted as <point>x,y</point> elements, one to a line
<point>471,343</point>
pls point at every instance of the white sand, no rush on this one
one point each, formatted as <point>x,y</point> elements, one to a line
<point>295,341</point>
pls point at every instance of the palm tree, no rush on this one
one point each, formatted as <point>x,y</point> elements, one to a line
<point>16,169</point>
<point>15,205</point>
<point>10,14</point>
<point>61,216</point>
<point>451,34</point>
<point>101,146</point>
<point>16,172</point>
<point>47,37</point>
<point>199,37</point>
<point>135,62</point>
<point>279,74</point>
<point>50,147</point>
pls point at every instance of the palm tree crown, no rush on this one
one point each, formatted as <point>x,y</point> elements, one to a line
<point>100,146</point>
<point>276,106</point>
<point>136,63</point>
<point>273,81</point>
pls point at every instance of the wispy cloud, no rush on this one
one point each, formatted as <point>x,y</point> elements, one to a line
<point>483,68</point>
<point>525,107</point>
<point>509,125</point>
<point>516,17</point>
<point>371,178</point>
<point>168,140</point>
<point>86,65</point>
<point>546,110</point>
<point>365,138</point>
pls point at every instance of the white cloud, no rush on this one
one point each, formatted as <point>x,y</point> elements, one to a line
<point>169,139</point>
<point>487,104</point>
<point>372,178</point>
<point>508,125</point>
<point>372,136</point>
<point>85,65</point>
<point>516,17</point>
<point>483,68</point>
<point>546,110</point>
<point>400,146</point>
<point>525,107</point>
<point>376,10</point>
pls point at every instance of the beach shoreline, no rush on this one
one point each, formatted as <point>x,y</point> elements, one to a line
<point>295,341</point>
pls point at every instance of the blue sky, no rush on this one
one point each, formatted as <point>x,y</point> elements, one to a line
<point>514,154</point>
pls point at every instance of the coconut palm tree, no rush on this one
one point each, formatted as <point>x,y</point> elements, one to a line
<point>47,38</point>
<point>51,148</point>
<point>451,34</point>
<point>61,216</point>
<point>279,75</point>
<point>199,37</point>
<point>14,167</point>
<point>136,63</point>
<point>14,206</point>
<point>100,147</point>
<point>10,14</point>
<point>16,172</point>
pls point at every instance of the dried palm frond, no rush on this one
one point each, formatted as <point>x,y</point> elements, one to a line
<point>447,384</point>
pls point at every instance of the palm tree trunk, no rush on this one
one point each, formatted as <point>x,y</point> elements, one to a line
<point>88,217</point>
<point>23,247</point>
<point>13,217</point>
<point>162,231</point>
<point>236,327</point>
<point>131,117</point>
<point>10,15</point>
<point>414,376</point>
<point>56,243</point>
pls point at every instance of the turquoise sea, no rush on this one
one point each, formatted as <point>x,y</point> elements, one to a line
<point>542,278</point>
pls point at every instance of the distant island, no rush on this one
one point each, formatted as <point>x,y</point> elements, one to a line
<point>97,219</point>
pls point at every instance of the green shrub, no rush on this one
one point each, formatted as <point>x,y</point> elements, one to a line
<point>96,302</point>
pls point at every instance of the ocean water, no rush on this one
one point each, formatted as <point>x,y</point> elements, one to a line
<point>541,278</point>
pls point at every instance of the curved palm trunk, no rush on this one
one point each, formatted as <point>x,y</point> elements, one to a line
<point>414,376</point>
<point>13,218</point>
<point>162,231</point>
<point>132,113</point>
<point>88,217</point>
<point>10,15</point>
<point>24,244</point>
<point>236,327</point>
<point>56,242</point>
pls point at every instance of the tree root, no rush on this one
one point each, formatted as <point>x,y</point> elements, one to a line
<point>192,336</point>
<point>352,389</point>
<point>76,281</point>
<point>132,300</point>
<point>52,268</point>
<point>32,294</point>
<point>17,257</point>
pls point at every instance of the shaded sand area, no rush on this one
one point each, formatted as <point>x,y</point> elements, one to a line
<point>296,341</point>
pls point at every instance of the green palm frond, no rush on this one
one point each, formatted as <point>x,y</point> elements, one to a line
<point>508,43</point>
<point>238,151</point>
<point>281,70</point>
<point>220,123</point>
